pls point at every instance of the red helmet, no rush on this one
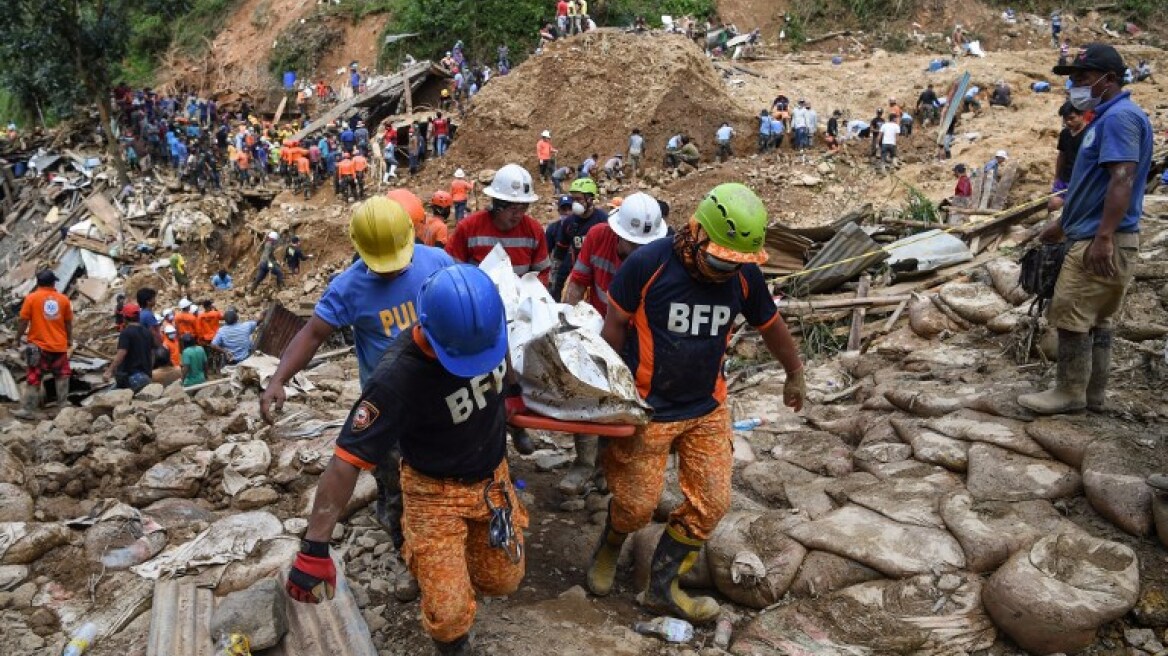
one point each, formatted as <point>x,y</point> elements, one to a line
<point>442,199</point>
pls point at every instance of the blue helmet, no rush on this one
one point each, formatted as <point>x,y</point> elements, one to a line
<point>462,316</point>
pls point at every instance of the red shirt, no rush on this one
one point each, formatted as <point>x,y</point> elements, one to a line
<point>526,245</point>
<point>441,127</point>
<point>964,187</point>
<point>597,264</point>
<point>562,8</point>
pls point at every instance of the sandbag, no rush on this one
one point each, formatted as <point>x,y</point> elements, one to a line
<point>782,483</point>
<point>997,474</point>
<point>1008,321</point>
<point>922,403</point>
<point>932,447</point>
<point>871,456</point>
<point>1000,402</point>
<point>849,429</point>
<point>1115,471</point>
<point>24,542</point>
<point>816,451</point>
<point>894,549</point>
<point>925,319</point>
<point>642,545</point>
<point>840,488</point>
<point>823,572</point>
<point>907,500</point>
<point>992,531</point>
<point>1062,439</point>
<point>925,614</point>
<point>974,302</point>
<point>751,559</point>
<point>976,427</point>
<point>1004,273</point>
<point>879,431</point>
<point>11,467</point>
<point>1053,596</point>
<point>16,503</point>
<point>271,558</point>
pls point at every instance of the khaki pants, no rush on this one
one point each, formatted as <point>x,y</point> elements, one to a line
<point>1084,301</point>
<point>635,468</point>
<point>447,548</point>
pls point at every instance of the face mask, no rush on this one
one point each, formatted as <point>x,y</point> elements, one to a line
<point>720,265</point>
<point>578,209</point>
<point>1082,98</point>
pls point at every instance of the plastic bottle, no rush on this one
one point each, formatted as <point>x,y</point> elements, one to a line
<point>748,424</point>
<point>669,629</point>
<point>81,640</point>
<point>723,633</point>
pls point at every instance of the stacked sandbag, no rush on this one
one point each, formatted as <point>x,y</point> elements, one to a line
<point>932,447</point>
<point>1053,597</point>
<point>926,320</point>
<point>1062,439</point>
<point>972,302</point>
<point>823,572</point>
<point>997,474</point>
<point>992,531</point>
<point>1005,274</point>
<point>751,559</point>
<point>1115,473</point>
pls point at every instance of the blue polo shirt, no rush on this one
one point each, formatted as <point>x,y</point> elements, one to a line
<point>680,328</point>
<point>1121,132</point>
<point>376,308</point>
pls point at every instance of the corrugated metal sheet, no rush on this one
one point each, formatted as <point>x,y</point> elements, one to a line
<point>180,621</point>
<point>852,248</point>
<point>277,330</point>
<point>333,628</point>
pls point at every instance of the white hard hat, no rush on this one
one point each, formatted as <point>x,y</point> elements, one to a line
<point>184,304</point>
<point>638,219</point>
<point>169,329</point>
<point>459,173</point>
<point>546,134</point>
<point>1002,154</point>
<point>512,183</point>
<point>273,235</point>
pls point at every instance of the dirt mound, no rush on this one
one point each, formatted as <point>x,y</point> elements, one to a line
<point>591,91</point>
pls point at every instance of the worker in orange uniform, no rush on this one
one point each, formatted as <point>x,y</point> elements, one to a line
<point>460,191</point>
<point>506,223</point>
<point>243,167</point>
<point>346,182</point>
<point>545,153</point>
<point>170,341</point>
<point>47,316</point>
<point>185,321</point>
<point>360,165</point>
<point>304,173</point>
<point>680,297</point>
<point>435,231</point>
<point>413,207</point>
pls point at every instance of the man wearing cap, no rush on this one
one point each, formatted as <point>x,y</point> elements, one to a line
<point>460,191</point>
<point>545,154</point>
<point>994,166</point>
<point>134,360</point>
<point>46,318</point>
<point>376,297</point>
<point>678,298</point>
<point>1101,225</point>
<point>185,321</point>
<point>268,264</point>
<point>440,397</point>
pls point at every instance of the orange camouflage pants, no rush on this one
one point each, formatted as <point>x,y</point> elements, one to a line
<point>447,549</point>
<point>635,468</point>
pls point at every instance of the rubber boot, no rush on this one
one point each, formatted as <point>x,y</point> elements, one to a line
<point>1100,370</point>
<point>602,569</point>
<point>522,441</point>
<point>29,401</point>
<point>581,472</point>
<point>61,387</point>
<point>1073,370</point>
<point>405,586</point>
<point>676,555</point>
<point>463,646</point>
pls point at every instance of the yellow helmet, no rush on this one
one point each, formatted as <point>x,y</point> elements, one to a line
<point>383,234</point>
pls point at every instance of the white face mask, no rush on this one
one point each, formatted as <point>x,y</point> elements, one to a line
<point>578,209</point>
<point>1082,98</point>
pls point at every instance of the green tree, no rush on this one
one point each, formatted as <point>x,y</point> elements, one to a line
<point>480,24</point>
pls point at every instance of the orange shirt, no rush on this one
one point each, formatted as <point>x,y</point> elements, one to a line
<point>345,168</point>
<point>543,149</point>
<point>303,165</point>
<point>360,164</point>
<point>435,231</point>
<point>243,160</point>
<point>460,189</point>
<point>175,355</point>
<point>46,310</point>
<point>208,324</point>
<point>185,323</point>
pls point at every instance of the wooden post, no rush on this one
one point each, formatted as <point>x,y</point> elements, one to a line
<point>857,332</point>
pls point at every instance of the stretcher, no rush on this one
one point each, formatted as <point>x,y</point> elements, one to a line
<point>540,422</point>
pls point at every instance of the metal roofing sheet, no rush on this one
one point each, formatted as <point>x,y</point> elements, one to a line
<point>180,621</point>
<point>851,248</point>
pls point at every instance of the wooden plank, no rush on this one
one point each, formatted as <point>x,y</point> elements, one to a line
<point>888,325</point>
<point>105,215</point>
<point>857,331</point>
<point>795,306</point>
<point>280,109</point>
<point>388,90</point>
<point>1002,188</point>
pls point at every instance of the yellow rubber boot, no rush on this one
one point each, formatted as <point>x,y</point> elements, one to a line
<point>602,570</point>
<point>675,555</point>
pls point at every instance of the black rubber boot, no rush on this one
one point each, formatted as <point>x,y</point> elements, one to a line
<point>602,569</point>
<point>463,646</point>
<point>675,555</point>
<point>522,441</point>
<point>1100,370</point>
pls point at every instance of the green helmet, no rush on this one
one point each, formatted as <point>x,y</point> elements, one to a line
<point>736,221</point>
<point>583,186</point>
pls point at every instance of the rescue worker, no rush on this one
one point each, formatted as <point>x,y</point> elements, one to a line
<point>170,339</point>
<point>440,395</point>
<point>583,192</point>
<point>635,223</point>
<point>413,207</point>
<point>682,295</point>
<point>375,296</point>
<point>346,180</point>
<point>360,165</point>
<point>46,321</point>
<point>545,154</point>
<point>268,264</point>
<point>435,232</point>
<point>460,191</point>
<point>185,322</point>
<point>294,255</point>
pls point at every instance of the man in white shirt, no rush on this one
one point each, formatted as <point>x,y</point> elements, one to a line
<point>889,130</point>
<point>798,125</point>
<point>811,122</point>
<point>722,137</point>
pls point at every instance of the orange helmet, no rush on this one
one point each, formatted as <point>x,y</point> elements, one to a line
<point>442,199</point>
<point>412,204</point>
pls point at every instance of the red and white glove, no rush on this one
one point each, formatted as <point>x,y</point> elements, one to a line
<point>313,578</point>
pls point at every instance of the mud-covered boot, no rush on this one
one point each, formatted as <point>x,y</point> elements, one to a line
<point>405,586</point>
<point>576,481</point>
<point>1159,482</point>
<point>522,441</point>
<point>61,387</point>
<point>29,404</point>
<point>1072,372</point>
<point>463,646</point>
<point>1100,370</point>
<point>602,569</point>
<point>676,555</point>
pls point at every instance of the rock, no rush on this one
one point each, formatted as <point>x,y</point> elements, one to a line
<point>105,402</point>
<point>974,302</point>
<point>1150,610</point>
<point>932,447</point>
<point>1053,596</point>
<point>178,476</point>
<point>894,549</point>
<point>1005,273</point>
<point>1062,439</point>
<point>72,420</point>
<point>175,514</point>
<point>752,561</point>
<point>974,426</point>
<point>1115,472</point>
<point>22,596</point>
<point>295,525</point>
<point>1140,639</point>
<point>15,503</point>
<point>255,497</point>
<point>992,531</point>
<point>575,592</point>
<point>270,559</point>
<point>248,459</point>
<point>12,576</point>
<point>25,542</point>
<point>999,475</point>
<point>815,451</point>
<point>823,572</point>
<point>743,452</point>
<point>179,426</point>
<point>1160,516</point>
<point>11,467</point>
<point>151,392</point>
<point>257,612</point>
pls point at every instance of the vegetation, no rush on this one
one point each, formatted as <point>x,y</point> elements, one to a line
<point>920,207</point>
<point>300,47</point>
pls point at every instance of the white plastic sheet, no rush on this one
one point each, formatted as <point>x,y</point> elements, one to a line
<point>567,370</point>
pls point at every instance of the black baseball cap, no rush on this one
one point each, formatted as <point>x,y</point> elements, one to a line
<point>46,278</point>
<point>1094,57</point>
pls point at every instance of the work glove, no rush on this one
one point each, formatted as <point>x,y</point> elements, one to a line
<point>514,401</point>
<point>795,390</point>
<point>312,578</point>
